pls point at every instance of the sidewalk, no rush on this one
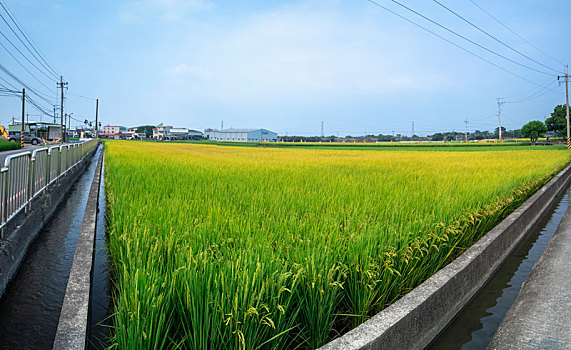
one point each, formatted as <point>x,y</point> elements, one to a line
<point>540,318</point>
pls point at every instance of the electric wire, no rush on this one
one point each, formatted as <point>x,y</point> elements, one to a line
<point>34,47</point>
<point>530,98</point>
<point>515,33</point>
<point>452,43</point>
<point>2,68</point>
<point>37,106</point>
<point>27,59</point>
<point>494,38</point>
<point>87,98</point>
<point>465,38</point>
<point>24,67</point>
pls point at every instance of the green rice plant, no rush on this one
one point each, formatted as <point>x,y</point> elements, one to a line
<point>270,248</point>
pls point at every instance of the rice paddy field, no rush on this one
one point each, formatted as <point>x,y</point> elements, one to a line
<point>219,247</point>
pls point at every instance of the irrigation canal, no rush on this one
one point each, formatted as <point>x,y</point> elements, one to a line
<point>30,308</point>
<point>476,325</point>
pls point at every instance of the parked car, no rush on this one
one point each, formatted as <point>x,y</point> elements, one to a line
<point>14,136</point>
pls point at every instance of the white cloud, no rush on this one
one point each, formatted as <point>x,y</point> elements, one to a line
<point>183,73</point>
<point>300,50</point>
<point>141,11</point>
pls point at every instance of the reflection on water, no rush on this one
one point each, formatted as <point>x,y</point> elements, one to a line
<point>476,325</point>
<point>30,308</point>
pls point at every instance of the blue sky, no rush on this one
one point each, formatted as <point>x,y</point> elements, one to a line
<point>288,65</point>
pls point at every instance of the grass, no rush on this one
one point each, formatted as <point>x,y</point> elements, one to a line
<point>7,145</point>
<point>270,248</point>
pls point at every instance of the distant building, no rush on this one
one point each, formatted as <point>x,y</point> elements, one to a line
<point>243,135</point>
<point>161,131</point>
<point>46,131</point>
<point>167,132</point>
<point>110,130</point>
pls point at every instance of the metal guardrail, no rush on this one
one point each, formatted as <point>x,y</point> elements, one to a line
<point>26,174</point>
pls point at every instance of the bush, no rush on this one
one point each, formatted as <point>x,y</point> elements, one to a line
<point>7,145</point>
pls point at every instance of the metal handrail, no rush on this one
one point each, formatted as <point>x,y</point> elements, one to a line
<point>27,174</point>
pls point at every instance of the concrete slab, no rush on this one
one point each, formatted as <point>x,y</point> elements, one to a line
<point>540,318</point>
<point>73,323</point>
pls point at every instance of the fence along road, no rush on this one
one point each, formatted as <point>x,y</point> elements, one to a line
<point>26,174</point>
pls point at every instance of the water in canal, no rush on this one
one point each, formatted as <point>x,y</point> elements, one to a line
<point>477,323</point>
<point>30,308</point>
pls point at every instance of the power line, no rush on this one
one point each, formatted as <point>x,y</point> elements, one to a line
<point>24,67</point>
<point>465,38</point>
<point>2,68</point>
<point>87,98</point>
<point>516,34</point>
<point>27,59</point>
<point>37,106</point>
<point>493,37</point>
<point>451,42</point>
<point>535,95</point>
<point>12,17</point>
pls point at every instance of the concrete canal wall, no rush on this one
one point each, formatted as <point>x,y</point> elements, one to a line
<point>22,228</point>
<point>72,330</point>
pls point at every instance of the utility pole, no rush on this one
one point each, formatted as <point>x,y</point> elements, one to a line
<point>68,127</point>
<point>61,85</point>
<point>23,112</point>
<point>96,118</point>
<point>54,114</point>
<point>412,130</point>
<point>466,131</point>
<point>500,103</point>
<point>322,133</point>
<point>222,125</point>
<point>566,77</point>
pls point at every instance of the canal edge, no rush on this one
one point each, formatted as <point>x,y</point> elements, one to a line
<point>540,315</point>
<point>21,230</point>
<point>417,318</point>
<point>72,330</point>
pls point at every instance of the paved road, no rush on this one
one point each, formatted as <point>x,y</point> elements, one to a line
<point>540,318</point>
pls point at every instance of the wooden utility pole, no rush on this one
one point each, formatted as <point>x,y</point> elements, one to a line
<point>61,84</point>
<point>69,123</point>
<point>23,113</point>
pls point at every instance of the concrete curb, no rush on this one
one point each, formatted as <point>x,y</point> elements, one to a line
<point>22,229</point>
<point>418,317</point>
<point>73,322</point>
<point>540,318</point>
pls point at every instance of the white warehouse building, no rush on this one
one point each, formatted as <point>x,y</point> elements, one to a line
<point>245,135</point>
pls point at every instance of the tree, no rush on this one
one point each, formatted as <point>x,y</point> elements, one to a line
<point>534,130</point>
<point>558,120</point>
<point>497,133</point>
<point>437,137</point>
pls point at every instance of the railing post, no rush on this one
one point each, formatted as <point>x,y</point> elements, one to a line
<point>31,177</point>
<point>5,195</point>
<point>59,162</point>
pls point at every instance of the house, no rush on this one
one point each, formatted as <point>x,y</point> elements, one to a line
<point>167,132</point>
<point>110,130</point>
